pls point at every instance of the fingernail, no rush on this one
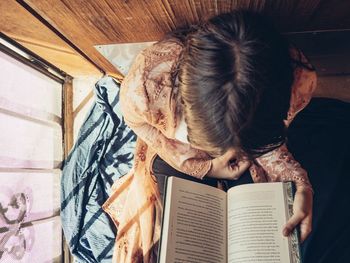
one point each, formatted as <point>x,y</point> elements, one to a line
<point>285,232</point>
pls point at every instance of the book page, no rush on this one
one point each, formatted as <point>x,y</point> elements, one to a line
<point>194,227</point>
<point>256,215</point>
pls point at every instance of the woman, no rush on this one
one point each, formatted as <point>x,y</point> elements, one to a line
<point>211,102</point>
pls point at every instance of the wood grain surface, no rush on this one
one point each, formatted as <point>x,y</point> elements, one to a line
<point>20,25</point>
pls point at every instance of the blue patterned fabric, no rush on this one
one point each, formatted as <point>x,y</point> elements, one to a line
<point>102,153</point>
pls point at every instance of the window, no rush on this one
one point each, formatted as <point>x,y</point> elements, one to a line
<point>30,158</point>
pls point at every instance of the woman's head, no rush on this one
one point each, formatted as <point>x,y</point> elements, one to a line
<point>234,77</point>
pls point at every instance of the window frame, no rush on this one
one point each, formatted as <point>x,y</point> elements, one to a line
<point>15,50</point>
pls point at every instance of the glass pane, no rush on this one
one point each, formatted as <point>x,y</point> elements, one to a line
<point>28,195</point>
<point>28,144</point>
<point>27,91</point>
<point>39,241</point>
<point>30,229</point>
<point>30,151</point>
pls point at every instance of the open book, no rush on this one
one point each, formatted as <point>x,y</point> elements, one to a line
<point>205,224</point>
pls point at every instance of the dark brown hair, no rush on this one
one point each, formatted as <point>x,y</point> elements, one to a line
<point>235,76</point>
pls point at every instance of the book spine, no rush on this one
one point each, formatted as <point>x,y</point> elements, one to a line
<point>294,237</point>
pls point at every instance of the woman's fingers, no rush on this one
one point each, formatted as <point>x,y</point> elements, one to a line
<point>231,154</point>
<point>292,223</point>
<point>235,167</point>
<point>305,227</point>
<point>239,168</point>
<point>228,166</point>
<point>302,208</point>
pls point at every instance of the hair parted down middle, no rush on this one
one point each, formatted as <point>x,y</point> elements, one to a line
<point>235,76</point>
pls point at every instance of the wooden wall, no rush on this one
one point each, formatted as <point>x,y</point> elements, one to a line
<point>88,23</point>
<point>329,52</point>
<point>20,25</point>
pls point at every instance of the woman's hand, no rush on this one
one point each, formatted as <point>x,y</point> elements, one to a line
<point>302,213</point>
<point>228,166</point>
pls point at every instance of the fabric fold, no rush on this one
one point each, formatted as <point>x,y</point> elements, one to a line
<point>102,153</point>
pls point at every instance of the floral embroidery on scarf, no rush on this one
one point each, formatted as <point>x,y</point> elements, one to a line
<point>142,153</point>
<point>161,120</point>
<point>280,165</point>
<point>149,95</point>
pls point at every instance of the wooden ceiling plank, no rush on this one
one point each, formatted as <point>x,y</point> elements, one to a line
<point>301,14</point>
<point>169,13</point>
<point>139,21</point>
<point>62,16</point>
<point>90,23</point>
<point>330,15</point>
<point>20,25</point>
